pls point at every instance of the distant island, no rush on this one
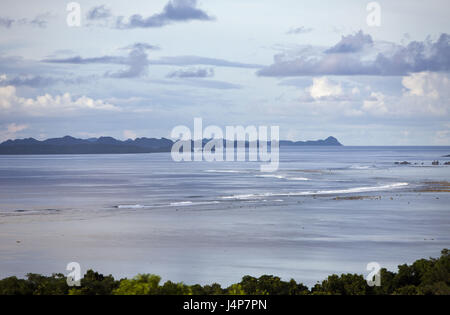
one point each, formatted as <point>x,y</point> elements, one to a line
<point>109,145</point>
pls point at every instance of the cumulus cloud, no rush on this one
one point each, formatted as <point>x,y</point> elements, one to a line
<point>424,94</point>
<point>322,88</point>
<point>174,11</point>
<point>349,57</point>
<point>375,104</point>
<point>47,104</point>
<point>351,43</point>
<point>427,84</point>
<point>192,73</point>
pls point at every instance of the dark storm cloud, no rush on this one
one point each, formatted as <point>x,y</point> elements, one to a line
<point>192,73</point>
<point>349,58</point>
<point>174,11</point>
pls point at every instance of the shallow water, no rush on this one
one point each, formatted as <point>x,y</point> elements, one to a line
<point>205,222</point>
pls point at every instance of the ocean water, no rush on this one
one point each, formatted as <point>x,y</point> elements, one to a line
<point>204,222</point>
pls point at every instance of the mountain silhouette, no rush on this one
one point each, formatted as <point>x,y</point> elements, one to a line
<point>109,145</point>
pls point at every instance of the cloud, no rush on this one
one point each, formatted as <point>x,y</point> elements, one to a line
<point>299,30</point>
<point>129,134</point>
<point>80,60</point>
<point>323,88</point>
<point>40,20</point>
<point>138,62</point>
<point>349,57</point>
<point>11,130</point>
<point>171,61</point>
<point>192,73</point>
<point>6,22</point>
<point>14,128</point>
<point>38,81</point>
<point>174,11</point>
<point>28,80</point>
<point>425,84</point>
<point>375,104</point>
<point>204,83</point>
<point>351,43</point>
<point>197,60</point>
<point>425,94</point>
<point>442,137</point>
<point>98,13</point>
<point>47,104</point>
<point>141,46</point>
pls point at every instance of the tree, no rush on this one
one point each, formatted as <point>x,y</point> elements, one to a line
<point>142,284</point>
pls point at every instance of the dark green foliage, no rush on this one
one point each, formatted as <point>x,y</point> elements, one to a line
<point>54,285</point>
<point>15,286</point>
<point>346,284</point>
<point>94,283</point>
<point>423,277</point>
<point>271,285</point>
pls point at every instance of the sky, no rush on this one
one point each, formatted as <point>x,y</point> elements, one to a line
<point>365,73</point>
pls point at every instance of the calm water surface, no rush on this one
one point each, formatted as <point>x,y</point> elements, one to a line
<point>202,222</point>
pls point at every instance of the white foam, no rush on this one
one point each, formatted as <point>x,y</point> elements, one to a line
<point>361,167</point>
<point>271,176</point>
<point>132,206</point>
<point>282,177</point>
<point>297,178</point>
<point>190,203</point>
<point>225,171</point>
<point>319,192</point>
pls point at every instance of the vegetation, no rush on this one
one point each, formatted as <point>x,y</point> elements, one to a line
<point>423,277</point>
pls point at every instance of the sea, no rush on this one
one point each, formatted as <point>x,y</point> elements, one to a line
<point>327,210</point>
